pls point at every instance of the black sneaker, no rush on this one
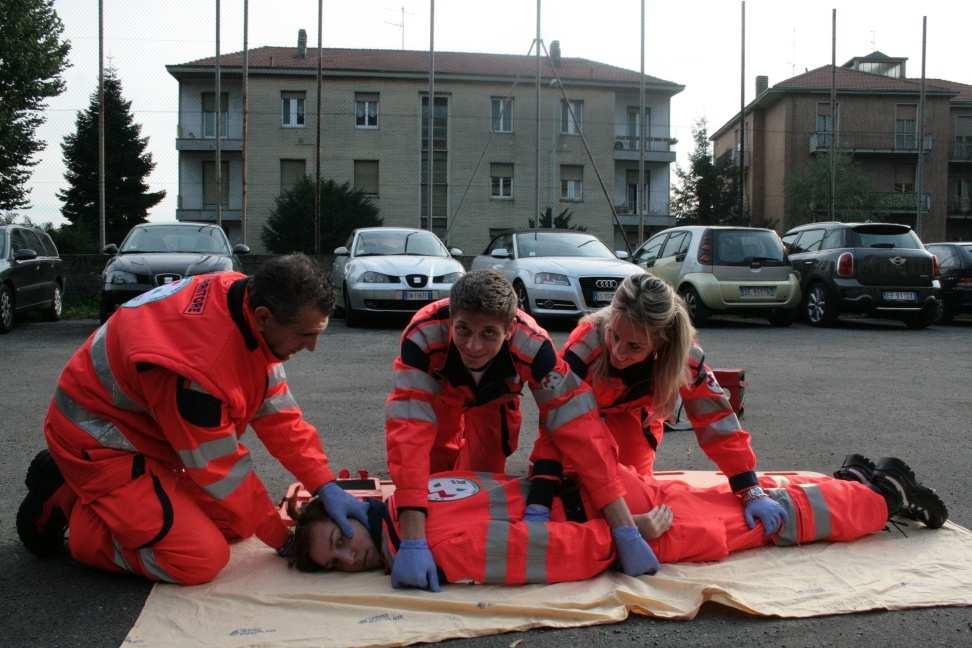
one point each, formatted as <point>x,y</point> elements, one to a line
<point>41,518</point>
<point>914,500</point>
<point>856,468</point>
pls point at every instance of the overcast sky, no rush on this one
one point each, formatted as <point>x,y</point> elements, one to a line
<point>691,42</point>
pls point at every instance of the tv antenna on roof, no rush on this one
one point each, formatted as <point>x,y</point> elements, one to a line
<point>400,25</point>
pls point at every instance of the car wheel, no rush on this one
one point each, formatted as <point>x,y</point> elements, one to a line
<point>921,320</point>
<point>818,306</point>
<point>53,312</point>
<point>6,309</point>
<point>351,317</point>
<point>693,303</point>
<point>522,298</point>
<point>782,317</point>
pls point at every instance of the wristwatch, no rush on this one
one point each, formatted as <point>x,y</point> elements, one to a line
<point>753,493</point>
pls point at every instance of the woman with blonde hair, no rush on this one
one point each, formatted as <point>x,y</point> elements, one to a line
<point>639,356</point>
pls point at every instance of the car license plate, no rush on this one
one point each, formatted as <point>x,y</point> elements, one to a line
<point>604,295</point>
<point>410,295</point>
<point>757,291</point>
<point>900,295</point>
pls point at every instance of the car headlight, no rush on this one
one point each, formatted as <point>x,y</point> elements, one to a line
<point>450,278</point>
<point>119,277</point>
<point>377,277</point>
<point>551,278</point>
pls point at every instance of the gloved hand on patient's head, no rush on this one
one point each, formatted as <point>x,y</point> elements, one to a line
<point>636,556</point>
<point>415,567</point>
<point>341,505</point>
<point>766,510</point>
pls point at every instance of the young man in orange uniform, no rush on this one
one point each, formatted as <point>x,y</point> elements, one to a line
<point>455,406</point>
<point>145,464</point>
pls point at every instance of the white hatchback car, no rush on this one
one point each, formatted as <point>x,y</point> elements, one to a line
<point>392,270</point>
<point>557,272</point>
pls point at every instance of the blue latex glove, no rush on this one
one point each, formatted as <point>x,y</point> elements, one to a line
<point>415,567</point>
<point>766,510</point>
<point>636,556</point>
<point>340,506</point>
<point>536,513</point>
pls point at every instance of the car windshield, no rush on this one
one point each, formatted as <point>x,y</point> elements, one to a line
<point>560,244</point>
<point>3,240</point>
<point>175,238</point>
<point>398,242</point>
<point>745,247</point>
<point>883,237</point>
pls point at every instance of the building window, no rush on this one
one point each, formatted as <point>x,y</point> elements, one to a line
<point>904,178</point>
<point>209,184</point>
<point>366,110</point>
<point>209,113</point>
<point>631,193</point>
<point>291,172</point>
<point>502,114</point>
<point>501,180</point>
<point>905,122</point>
<point>571,116</point>
<point>571,182</point>
<point>366,176</point>
<point>440,162</point>
<point>292,109</point>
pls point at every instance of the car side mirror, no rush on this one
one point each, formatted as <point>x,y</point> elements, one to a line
<point>455,252</point>
<point>25,254</point>
<point>621,254</point>
<point>240,248</point>
<point>680,257</point>
<point>111,248</point>
<point>500,253</point>
<point>341,251</point>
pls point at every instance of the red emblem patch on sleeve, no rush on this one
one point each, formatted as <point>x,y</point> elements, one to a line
<point>198,302</point>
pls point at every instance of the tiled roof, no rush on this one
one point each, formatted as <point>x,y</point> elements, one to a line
<point>876,56</point>
<point>964,89</point>
<point>854,80</point>
<point>417,61</point>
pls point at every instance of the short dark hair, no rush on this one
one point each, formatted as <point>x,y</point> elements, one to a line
<point>484,291</point>
<point>312,511</point>
<point>288,284</point>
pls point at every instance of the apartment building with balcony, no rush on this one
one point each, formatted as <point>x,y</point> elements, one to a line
<point>876,122</point>
<point>374,135</point>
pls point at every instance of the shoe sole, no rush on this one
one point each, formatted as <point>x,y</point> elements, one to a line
<point>924,505</point>
<point>856,468</point>
<point>43,480</point>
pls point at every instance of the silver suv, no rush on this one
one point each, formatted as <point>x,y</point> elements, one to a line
<point>719,269</point>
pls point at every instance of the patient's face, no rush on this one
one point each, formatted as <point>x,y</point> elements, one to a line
<point>331,550</point>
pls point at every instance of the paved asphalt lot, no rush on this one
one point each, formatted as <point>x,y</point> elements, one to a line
<point>814,395</point>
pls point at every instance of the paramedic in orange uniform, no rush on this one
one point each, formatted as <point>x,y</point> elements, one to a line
<point>145,465</point>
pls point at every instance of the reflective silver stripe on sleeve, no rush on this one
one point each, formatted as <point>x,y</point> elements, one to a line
<point>524,343</point>
<point>696,355</point>
<point>120,557</point>
<point>208,451</point>
<point>152,566</point>
<point>821,512</point>
<point>102,367</point>
<point>579,405</point>
<point>536,555</point>
<point>700,407</point>
<point>497,531</point>
<point>429,336</point>
<point>411,409</point>
<point>725,426</point>
<point>277,403</point>
<point>224,487</point>
<point>789,533</point>
<point>584,348</point>
<point>101,430</point>
<point>277,375</point>
<point>569,383</point>
<point>416,379</point>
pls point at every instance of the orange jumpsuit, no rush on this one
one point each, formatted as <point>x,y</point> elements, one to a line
<point>145,425</point>
<point>476,532</point>
<point>438,418</point>
<point>624,399</point>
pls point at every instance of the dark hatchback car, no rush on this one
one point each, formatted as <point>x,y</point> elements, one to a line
<point>955,260</point>
<point>31,274</point>
<point>877,269</point>
<point>155,254</point>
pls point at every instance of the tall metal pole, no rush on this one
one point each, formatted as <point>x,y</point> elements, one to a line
<point>430,145</point>
<point>742,113</point>
<point>219,111</point>
<point>537,161</point>
<point>101,126</point>
<point>317,121</point>
<point>920,168</point>
<point>246,111</point>
<point>641,199</point>
<point>833,119</point>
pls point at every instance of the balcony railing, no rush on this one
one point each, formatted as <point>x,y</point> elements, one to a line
<point>959,205</point>
<point>869,142</point>
<point>626,142</point>
<point>898,201</point>
<point>961,151</point>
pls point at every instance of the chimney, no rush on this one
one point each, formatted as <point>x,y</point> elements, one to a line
<point>301,44</point>
<point>555,52</point>
<point>762,83</point>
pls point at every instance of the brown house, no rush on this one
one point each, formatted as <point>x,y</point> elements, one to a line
<point>789,124</point>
